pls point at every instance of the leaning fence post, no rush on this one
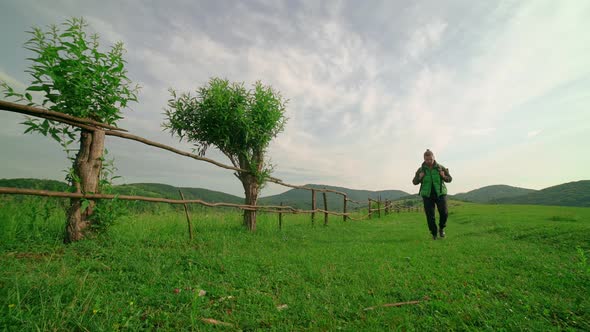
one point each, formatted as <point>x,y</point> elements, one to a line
<point>188,218</point>
<point>313,206</point>
<point>281,218</point>
<point>379,207</point>
<point>325,209</point>
<point>370,214</point>
<point>344,209</point>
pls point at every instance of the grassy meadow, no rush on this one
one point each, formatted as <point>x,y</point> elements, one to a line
<point>500,268</point>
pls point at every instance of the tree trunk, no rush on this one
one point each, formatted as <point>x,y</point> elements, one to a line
<point>251,189</point>
<point>87,167</point>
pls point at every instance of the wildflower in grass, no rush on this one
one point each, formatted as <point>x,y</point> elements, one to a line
<point>131,303</point>
<point>12,305</point>
<point>94,311</point>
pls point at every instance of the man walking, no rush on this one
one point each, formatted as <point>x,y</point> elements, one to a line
<point>432,177</point>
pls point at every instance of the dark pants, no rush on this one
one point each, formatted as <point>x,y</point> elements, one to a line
<point>443,212</point>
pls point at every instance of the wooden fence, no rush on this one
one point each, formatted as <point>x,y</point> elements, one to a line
<point>109,130</point>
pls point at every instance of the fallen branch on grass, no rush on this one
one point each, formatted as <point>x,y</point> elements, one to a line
<point>398,304</point>
<point>216,322</point>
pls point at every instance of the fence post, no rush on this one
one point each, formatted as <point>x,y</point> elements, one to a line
<point>370,214</point>
<point>281,218</point>
<point>188,218</point>
<point>379,207</point>
<point>313,206</point>
<point>344,209</point>
<point>325,209</point>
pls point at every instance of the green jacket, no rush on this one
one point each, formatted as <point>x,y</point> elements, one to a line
<point>432,176</point>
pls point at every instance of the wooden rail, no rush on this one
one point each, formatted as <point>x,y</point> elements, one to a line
<point>51,115</point>
<point>118,132</point>
<point>110,130</point>
<point>262,208</point>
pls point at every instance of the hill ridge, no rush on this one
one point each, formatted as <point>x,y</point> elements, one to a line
<point>487,194</point>
<point>575,193</point>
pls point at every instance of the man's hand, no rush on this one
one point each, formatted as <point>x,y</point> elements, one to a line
<point>418,177</point>
<point>442,173</point>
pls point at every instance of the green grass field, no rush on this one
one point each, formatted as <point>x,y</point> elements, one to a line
<point>500,268</point>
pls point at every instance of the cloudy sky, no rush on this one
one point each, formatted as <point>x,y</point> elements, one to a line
<point>499,90</point>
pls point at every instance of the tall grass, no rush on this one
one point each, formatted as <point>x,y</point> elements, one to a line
<point>31,220</point>
<point>500,268</point>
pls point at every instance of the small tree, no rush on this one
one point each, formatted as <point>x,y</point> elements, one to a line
<point>241,123</point>
<point>75,78</point>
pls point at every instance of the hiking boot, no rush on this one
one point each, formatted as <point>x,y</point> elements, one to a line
<point>441,233</point>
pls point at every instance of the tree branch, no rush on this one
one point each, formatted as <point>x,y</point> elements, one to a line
<point>51,115</point>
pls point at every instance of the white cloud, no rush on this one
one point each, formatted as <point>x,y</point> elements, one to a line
<point>425,38</point>
<point>106,31</point>
<point>480,131</point>
<point>533,133</point>
<point>360,108</point>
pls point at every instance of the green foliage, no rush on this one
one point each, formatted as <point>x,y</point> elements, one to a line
<point>107,211</point>
<point>74,76</point>
<point>501,268</point>
<point>239,122</point>
<point>107,173</point>
<point>61,133</point>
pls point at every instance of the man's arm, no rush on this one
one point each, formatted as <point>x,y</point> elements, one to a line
<point>446,176</point>
<point>418,177</point>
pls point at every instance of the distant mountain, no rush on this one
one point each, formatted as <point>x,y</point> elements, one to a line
<point>51,185</point>
<point>135,189</point>
<point>167,191</point>
<point>301,198</point>
<point>298,198</point>
<point>491,193</point>
<point>568,194</point>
